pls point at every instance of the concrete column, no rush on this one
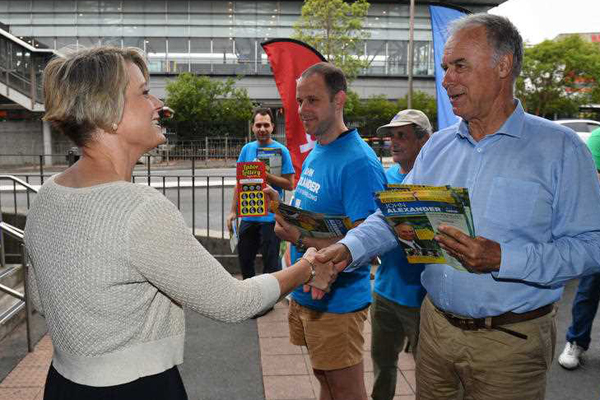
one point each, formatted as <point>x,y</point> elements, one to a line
<point>47,142</point>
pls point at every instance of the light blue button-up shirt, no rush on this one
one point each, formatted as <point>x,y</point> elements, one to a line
<point>533,189</point>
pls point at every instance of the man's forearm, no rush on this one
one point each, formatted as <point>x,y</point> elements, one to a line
<point>234,201</point>
<point>371,238</point>
<point>320,243</point>
<point>285,182</point>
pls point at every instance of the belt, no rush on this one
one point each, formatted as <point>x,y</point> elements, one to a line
<point>497,322</point>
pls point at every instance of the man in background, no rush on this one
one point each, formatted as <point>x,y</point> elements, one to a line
<point>257,233</point>
<point>398,293</point>
<point>585,304</point>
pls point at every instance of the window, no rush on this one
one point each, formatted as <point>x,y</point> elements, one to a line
<point>398,57</point>
<point>178,45</point>
<point>111,41</point>
<point>109,6</point>
<point>65,5</point>
<point>133,42</point>
<point>43,5</point>
<point>19,5</point>
<point>109,19</point>
<point>423,58</point>
<point>178,54</point>
<point>178,18</point>
<point>200,55</point>
<point>64,18</point>
<point>87,6</point>
<point>156,49</point>
<point>592,127</point>
<point>110,32</point>
<point>376,55</point>
<point>65,41</point>
<point>156,46</point>
<point>155,6</point>
<point>89,41</point>
<point>177,6</point>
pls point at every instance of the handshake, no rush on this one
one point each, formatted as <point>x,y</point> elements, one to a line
<point>327,263</point>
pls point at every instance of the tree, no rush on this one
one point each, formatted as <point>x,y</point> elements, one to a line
<point>367,115</point>
<point>423,102</point>
<point>335,29</point>
<point>207,107</point>
<point>558,76</point>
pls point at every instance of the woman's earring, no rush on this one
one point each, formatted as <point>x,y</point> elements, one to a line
<point>114,127</point>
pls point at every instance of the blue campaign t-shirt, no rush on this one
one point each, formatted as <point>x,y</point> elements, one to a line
<point>250,153</point>
<point>396,279</point>
<point>339,178</point>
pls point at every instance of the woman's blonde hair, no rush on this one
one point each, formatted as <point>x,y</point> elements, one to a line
<point>85,89</point>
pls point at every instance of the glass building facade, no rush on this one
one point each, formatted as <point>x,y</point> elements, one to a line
<point>209,37</point>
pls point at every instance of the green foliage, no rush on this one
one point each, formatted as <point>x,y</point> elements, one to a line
<point>423,102</point>
<point>335,29</point>
<point>369,114</point>
<point>207,107</point>
<point>559,76</point>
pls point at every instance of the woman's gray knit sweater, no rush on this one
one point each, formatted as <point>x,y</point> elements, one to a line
<point>113,264</point>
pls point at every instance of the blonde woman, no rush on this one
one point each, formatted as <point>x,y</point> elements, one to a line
<point>113,262</point>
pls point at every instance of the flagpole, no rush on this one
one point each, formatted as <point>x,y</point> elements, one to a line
<point>411,52</point>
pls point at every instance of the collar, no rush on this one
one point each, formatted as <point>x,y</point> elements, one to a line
<point>513,126</point>
<point>345,133</point>
<point>341,136</point>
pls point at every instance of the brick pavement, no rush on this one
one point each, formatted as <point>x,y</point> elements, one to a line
<point>26,381</point>
<point>286,368</point>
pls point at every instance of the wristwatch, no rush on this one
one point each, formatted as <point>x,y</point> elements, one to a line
<point>300,245</point>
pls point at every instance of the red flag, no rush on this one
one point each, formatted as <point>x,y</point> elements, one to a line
<point>289,58</point>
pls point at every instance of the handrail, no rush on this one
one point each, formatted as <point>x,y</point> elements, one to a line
<point>9,229</point>
<point>12,231</point>
<point>19,181</point>
<point>15,233</point>
<point>23,298</point>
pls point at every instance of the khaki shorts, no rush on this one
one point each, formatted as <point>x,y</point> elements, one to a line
<point>334,341</point>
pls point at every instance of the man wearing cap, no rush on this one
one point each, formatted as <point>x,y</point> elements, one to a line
<point>398,293</point>
<point>585,304</point>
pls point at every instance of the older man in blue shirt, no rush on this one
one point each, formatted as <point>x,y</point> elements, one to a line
<point>536,209</point>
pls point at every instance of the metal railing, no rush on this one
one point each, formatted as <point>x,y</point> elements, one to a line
<point>23,298</point>
<point>180,188</point>
<point>203,199</point>
<point>28,189</point>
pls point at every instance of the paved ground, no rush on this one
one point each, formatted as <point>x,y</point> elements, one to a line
<point>254,361</point>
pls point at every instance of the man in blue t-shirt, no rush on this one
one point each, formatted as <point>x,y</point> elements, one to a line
<point>338,177</point>
<point>398,292</point>
<point>258,232</point>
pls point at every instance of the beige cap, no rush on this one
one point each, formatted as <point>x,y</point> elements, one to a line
<point>407,117</point>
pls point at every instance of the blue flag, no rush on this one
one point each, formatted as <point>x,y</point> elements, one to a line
<point>441,17</point>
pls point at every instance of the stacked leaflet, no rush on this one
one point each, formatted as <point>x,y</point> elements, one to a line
<point>416,211</point>
<point>272,158</point>
<point>311,223</point>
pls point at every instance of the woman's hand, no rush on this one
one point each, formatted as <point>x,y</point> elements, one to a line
<point>326,273</point>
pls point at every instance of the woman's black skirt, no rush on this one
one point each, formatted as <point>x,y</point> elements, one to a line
<point>167,385</point>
